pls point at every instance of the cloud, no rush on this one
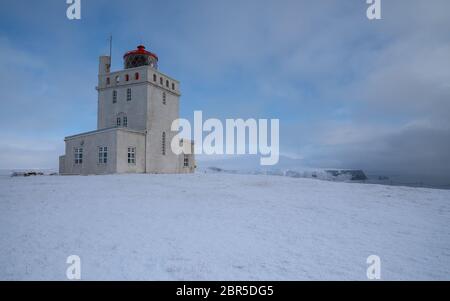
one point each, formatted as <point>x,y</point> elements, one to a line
<point>414,150</point>
<point>391,82</point>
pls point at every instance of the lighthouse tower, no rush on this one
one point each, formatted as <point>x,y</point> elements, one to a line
<point>136,108</point>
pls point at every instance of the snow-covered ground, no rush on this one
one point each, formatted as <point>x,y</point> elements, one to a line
<point>219,227</point>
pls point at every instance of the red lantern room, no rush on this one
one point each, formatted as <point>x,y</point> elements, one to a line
<point>140,57</point>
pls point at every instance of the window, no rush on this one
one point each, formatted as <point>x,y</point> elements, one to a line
<point>127,77</point>
<point>154,77</point>
<point>128,94</point>
<point>79,155</point>
<point>164,98</point>
<point>108,81</point>
<point>114,96</point>
<point>167,83</point>
<point>163,142</point>
<point>117,79</point>
<point>186,161</point>
<point>103,155</point>
<point>118,121</point>
<point>136,76</point>
<point>131,155</point>
<point>173,86</point>
<point>125,121</point>
<point>161,80</point>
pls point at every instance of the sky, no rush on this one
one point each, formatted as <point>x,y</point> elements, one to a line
<point>349,92</point>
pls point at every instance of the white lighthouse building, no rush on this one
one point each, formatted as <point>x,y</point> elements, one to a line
<point>136,108</point>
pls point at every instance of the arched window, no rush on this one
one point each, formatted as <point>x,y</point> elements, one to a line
<point>136,76</point>
<point>163,143</point>
<point>108,81</point>
<point>117,79</point>
<point>173,86</point>
<point>127,77</point>
<point>154,77</point>
<point>161,80</point>
<point>167,83</point>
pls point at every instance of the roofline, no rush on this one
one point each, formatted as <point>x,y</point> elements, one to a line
<point>141,50</point>
<point>103,131</point>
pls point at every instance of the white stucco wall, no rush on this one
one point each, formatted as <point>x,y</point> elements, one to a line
<point>135,109</point>
<point>117,140</point>
<point>90,142</point>
<point>126,139</point>
<point>160,118</point>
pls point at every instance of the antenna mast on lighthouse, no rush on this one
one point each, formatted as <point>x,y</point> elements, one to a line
<point>110,50</point>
